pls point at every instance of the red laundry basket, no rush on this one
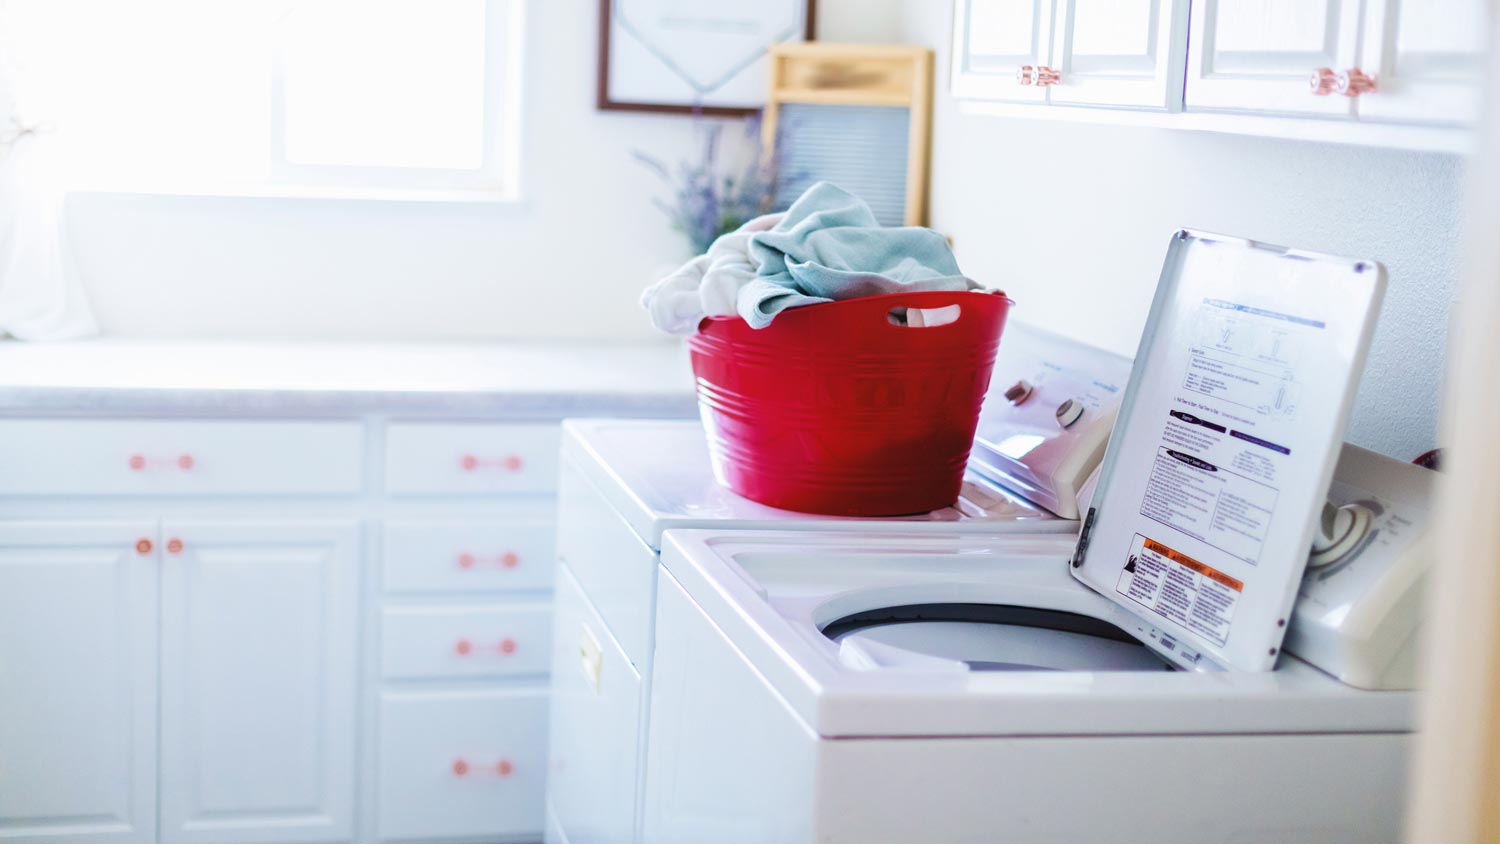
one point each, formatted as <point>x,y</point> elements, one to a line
<point>833,409</point>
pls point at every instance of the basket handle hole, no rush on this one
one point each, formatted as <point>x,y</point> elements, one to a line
<point>923,317</point>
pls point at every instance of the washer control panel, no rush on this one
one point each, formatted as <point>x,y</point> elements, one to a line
<point>1048,416</point>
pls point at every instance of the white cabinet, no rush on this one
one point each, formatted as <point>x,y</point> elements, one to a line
<point>433,458</point>
<point>241,732</point>
<point>1121,53</point>
<point>1377,72</point>
<point>470,764</point>
<point>1125,53</point>
<point>258,656</point>
<point>1419,62</point>
<point>493,641</point>
<point>274,631</point>
<point>162,457</point>
<point>1258,55</point>
<point>993,41</point>
<point>1426,60</point>
<point>434,556</point>
<point>78,609</point>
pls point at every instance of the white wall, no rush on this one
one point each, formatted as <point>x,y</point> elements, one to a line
<point>568,263</point>
<point>1073,221</point>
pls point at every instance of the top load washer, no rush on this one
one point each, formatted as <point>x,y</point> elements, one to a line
<point>876,688</point>
<point>624,483</point>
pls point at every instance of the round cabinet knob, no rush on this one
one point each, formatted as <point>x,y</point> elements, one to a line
<point>1025,74</point>
<point>1019,392</point>
<point>1323,81</point>
<point>1069,412</point>
<point>1353,82</point>
<point>1045,76</point>
<point>1340,531</point>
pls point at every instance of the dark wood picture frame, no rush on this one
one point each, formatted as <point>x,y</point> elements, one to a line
<point>604,103</point>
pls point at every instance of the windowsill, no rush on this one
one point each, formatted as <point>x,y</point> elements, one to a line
<point>333,192</point>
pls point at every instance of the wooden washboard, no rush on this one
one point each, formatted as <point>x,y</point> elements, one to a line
<point>858,116</point>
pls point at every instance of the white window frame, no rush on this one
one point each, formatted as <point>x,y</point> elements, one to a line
<point>497,180</point>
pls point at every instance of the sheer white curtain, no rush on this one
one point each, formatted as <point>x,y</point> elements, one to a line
<point>41,297</point>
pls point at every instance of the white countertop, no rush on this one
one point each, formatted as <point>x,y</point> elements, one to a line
<point>138,376</point>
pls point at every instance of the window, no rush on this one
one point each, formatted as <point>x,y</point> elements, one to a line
<point>388,98</point>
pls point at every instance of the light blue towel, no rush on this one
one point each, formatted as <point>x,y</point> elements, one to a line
<point>829,247</point>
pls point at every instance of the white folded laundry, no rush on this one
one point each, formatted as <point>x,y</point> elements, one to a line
<point>931,317</point>
<point>707,285</point>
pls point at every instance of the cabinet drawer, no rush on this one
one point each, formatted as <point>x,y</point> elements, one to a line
<point>421,643</point>
<point>461,764</point>
<point>428,458</point>
<point>162,457</point>
<point>426,556</point>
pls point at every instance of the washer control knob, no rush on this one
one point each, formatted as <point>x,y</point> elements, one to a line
<point>1340,530</point>
<point>1019,392</point>
<point>1068,412</point>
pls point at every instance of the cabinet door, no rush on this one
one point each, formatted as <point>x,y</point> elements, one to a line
<point>1258,55</point>
<point>1120,52</point>
<point>78,682</point>
<point>992,39</point>
<point>1426,59</point>
<point>258,682</point>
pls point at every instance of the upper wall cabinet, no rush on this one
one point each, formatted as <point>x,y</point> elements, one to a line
<point>998,45</point>
<point>1258,55</point>
<point>1381,72</point>
<point>1425,56</point>
<point>1118,53</point>
<point>1414,62</point>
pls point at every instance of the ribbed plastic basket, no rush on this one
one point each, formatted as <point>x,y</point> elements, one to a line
<point>834,409</point>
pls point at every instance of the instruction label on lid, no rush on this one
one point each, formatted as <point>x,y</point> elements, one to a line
<point>1180,589</point>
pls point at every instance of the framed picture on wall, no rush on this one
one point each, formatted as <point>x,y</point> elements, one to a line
<point>693,56</point>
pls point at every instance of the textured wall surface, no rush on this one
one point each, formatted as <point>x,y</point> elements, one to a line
<point>1073,221</point>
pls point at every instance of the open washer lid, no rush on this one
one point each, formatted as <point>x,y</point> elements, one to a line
<point>1225,445</point>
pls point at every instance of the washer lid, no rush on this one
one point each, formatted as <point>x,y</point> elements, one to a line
<point>1225,445</point>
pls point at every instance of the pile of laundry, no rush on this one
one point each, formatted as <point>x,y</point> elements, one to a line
<point>827,246</point>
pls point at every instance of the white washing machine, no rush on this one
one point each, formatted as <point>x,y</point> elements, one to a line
<point>1126,686</point>
<point>864,688</point>
<point>625,483</point>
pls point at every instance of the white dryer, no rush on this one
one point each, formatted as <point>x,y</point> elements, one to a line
<point>625,483</point>
<point>864,688</point>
